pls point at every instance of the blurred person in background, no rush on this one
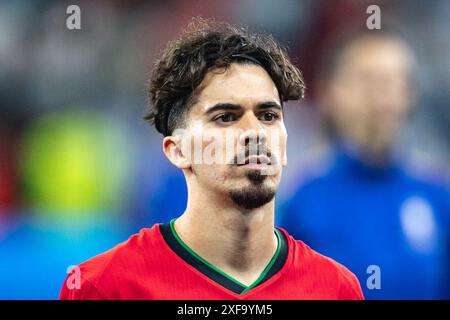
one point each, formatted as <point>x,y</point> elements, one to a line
<point>361,206</point>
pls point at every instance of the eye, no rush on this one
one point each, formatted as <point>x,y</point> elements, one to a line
<point>225,117</point>
<point>269,116</point>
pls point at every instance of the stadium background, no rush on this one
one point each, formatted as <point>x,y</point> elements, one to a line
<point>79,168</point>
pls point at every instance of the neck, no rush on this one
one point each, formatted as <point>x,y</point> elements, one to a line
<point>239,242</point>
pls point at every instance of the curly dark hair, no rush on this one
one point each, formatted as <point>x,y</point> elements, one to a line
<point>207,45</point>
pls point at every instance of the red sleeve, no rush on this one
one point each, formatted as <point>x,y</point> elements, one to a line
<point>84,291</point>
<point>350,288</point>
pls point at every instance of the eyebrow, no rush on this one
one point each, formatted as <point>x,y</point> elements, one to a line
<point>269,105</point>
<point>232,106</point>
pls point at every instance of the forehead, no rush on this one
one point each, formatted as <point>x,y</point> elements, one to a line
<point>383,55</point>
<point>242,84</point>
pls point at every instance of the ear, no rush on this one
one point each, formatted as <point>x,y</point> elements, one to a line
<point>172,147</point>
<point>413,96</point>
<point>323,96</point>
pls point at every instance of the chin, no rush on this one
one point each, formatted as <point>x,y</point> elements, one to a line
<point>252,196</point>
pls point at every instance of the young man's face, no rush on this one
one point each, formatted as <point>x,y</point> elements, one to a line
<point>371,93</point>
<point>235,136</point>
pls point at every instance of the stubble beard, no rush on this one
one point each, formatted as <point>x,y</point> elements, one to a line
<point>255,195</point>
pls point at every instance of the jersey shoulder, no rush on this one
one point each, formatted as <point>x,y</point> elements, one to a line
<point>96,277</point>
<point>334,276</point>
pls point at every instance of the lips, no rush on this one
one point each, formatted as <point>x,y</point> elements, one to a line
<point>254,155</point>
<point>256,159</point>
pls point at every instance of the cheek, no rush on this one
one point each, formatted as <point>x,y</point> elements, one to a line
<point>212,174</point>
<point>216,147</point>
<point>402,103</point>
<point>349,99</point>
<point>283,153</point>
<point>277,144</point>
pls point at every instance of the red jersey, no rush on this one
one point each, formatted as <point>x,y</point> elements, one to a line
<point>156,264</point>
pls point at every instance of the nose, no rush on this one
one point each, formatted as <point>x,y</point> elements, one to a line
<point>253,132</point>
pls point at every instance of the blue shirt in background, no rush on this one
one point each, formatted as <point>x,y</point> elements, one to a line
<point>35,253</point>
<point>363,216</point>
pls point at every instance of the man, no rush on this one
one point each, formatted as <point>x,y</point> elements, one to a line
<point>362,207</point>
<point>222,82</point>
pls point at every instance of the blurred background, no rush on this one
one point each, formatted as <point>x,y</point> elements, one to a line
<point>368,151</point>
